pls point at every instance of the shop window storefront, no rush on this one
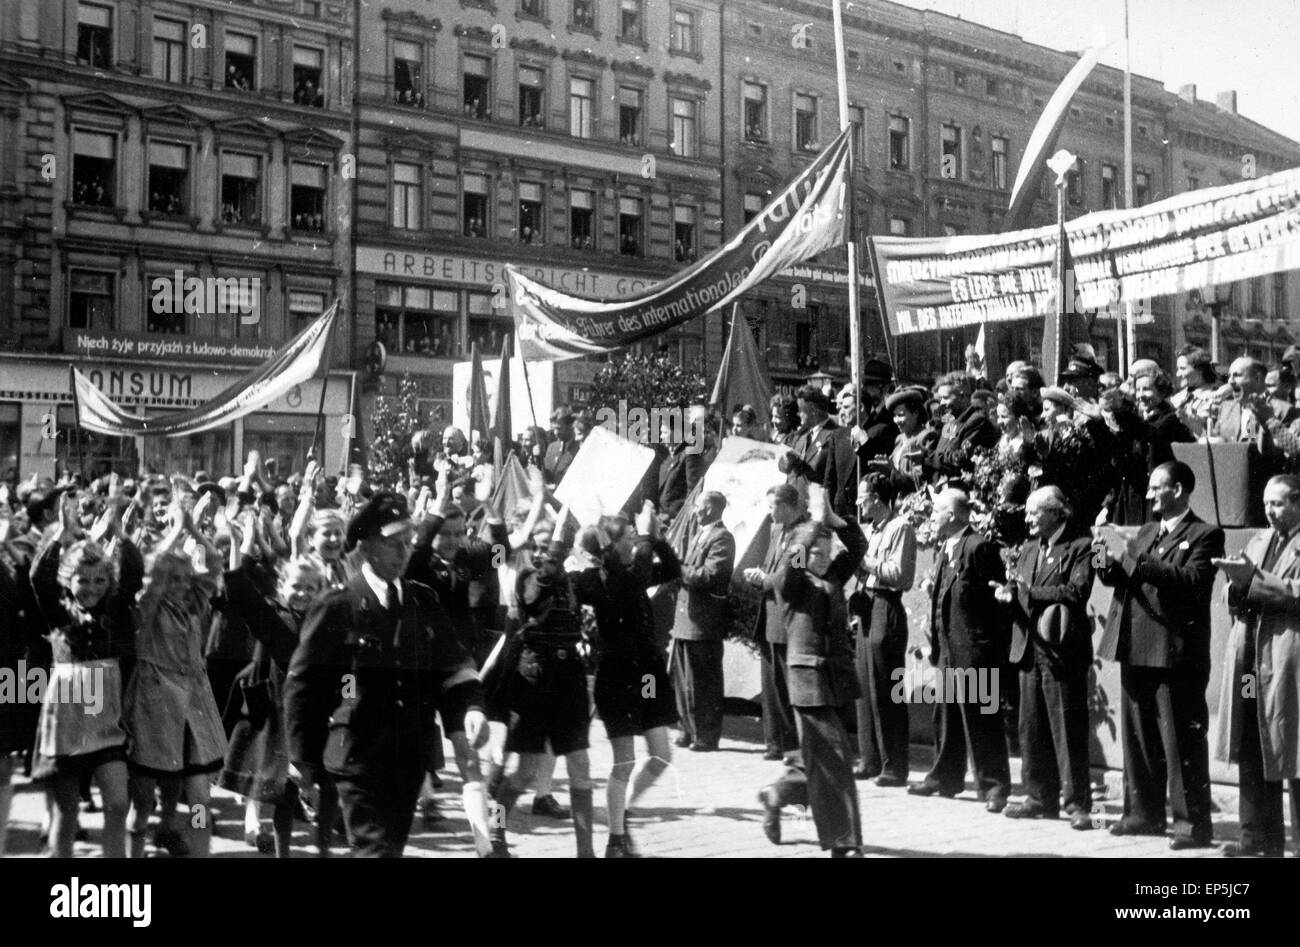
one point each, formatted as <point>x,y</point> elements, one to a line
<point>209,452</point>
<point>487,326</point>
<point>94,454</point>
<point>10,437</point>
<point>284,438</point>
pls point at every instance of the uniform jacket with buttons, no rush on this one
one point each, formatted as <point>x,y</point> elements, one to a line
<point>364,684</point>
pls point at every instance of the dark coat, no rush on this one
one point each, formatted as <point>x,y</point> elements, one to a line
<point>1050,611</point>
<point>1162,589</point>
<point>963,612</point>
<point>364,686</point>
<point>680,471</point>
<point>819,659</point>
<point>826,457</point>
<point>558,458</point>
<point>881,433</point>
<point>617,593</point>
<point>952,454</point>
<point>702,610</point>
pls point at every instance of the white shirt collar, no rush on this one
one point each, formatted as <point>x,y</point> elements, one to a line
<point>1169,525</point>
<point>379,586</point>
<point>952,540</point>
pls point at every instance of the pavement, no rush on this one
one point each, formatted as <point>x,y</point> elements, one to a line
<point>705,806</point>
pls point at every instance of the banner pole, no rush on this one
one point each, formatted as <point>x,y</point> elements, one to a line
<point>528,386</point>
<point>319,434</point>
<point>1130,320</point>
<point>76,418</point>
<point>855,327</point>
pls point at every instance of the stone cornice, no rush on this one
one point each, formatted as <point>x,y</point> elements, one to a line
<point>413,19</point>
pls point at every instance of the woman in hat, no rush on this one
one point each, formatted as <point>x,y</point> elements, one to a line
<point>915,439</point>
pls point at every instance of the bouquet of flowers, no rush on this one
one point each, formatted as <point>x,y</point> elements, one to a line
<point>1001,481</point>
<point>917,507</point>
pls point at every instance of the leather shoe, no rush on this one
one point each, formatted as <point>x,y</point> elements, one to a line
<point>1237,850</point>
<point>1030,810</point>
<point>929,789</point>
<point>1081,821</point>
<point>1182,842</point>
<point>885,781</point>
<point>996,805</point>
<point>548,806</point>
<point>846,853</point>
<point>863,773</point>
<point>683,741</point>
<point>771,816</point>
<point>773,756</point>
<point>704,747</point>
<point>1135,828</point>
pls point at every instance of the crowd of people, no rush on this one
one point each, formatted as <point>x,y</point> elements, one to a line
<point>311,643</point>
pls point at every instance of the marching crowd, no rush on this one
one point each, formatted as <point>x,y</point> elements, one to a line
<point>310,643</point>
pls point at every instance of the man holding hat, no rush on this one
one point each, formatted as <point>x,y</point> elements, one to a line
<point>823,453</point>
<point>376,661</point>
<point>875,432</point>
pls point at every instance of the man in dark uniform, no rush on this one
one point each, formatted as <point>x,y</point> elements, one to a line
<point>699,625</point>
<point>563,447</point>
<point>1158,629</point>
<point>377,660</point>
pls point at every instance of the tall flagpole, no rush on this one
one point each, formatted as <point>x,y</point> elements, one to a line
<point>855,326</point>
<point>1130,322</point>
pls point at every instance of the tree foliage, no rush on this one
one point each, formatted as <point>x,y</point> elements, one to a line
<point>396,420</point>
<point>647,381</point>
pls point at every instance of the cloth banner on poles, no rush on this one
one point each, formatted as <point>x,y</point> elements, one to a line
<point>1190,241</point>
<point>295,363</point>
<point>807,217</point>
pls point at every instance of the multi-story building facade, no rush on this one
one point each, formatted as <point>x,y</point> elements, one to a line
<point>150,142</point>
<point>576,139</point>
<point>944,109</point>
<point>1210,144</point>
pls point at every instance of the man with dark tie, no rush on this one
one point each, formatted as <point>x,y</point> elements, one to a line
<point>1259,701</point>
<point>563,447</point>
<point>1158,629</point>
<point>967,644</point>
<point>1051,646</point>
<point>779,735</point>
<point>823,453</point>
<point>699,623</point>
<point>375,663</point>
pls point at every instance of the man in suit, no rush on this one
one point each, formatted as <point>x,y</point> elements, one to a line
<point>874,432</point>
<point>1051,646</point>
<point>823,452</point>
<point>1253,416</point>
<point>1259,723</point>
<point>965,428</point>
<point>1158,629</point>
<point>699,624</point>
<point>966,643</point>
<point>787,510</point>
<point>683,468</point>
<point>563,447</point>
<point>818,666</point>
<point>376,661</point>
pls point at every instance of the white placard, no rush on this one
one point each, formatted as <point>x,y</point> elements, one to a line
<point>605,471</point>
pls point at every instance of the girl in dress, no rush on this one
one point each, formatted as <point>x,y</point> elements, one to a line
<point>257,764</point>
<point>170,712</point>
<point>85,597</point>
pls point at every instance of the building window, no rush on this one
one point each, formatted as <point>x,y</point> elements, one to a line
<point>858,121</point>
<point>408,73</point>
<point>171,322</point>
<point>753,206</point>
<point>241,62</point>
<point>898,227</point>
<point>803,345</point>
<point>168,51</point>
<point>532,8</point>
<point>1109,192</point>
<point>90,300</point>
<point>283,438</point>
<point>1193,183</point>
<point>629,22</point>
<point>304,307</point>
<point>478,87</point>
<point>1000,147</point>
<point>487,326</point>
<point>407,196</point>
<point>630,116</point>
<point>95,35</point>
<point>307,71</point>
<point>1279,296</point>
<point>685,245</point>
<point>1141,188</point>
<point>169,175</point>
<point>959,79</point>
<point>532,214</point>
<point>94,168</point>
<point>474,204</point>
<point>755,117</point>
<point>991,87</point>
<point>683,31</point>
<point>307,197</point>
<point>582,219</point>
<point>532,110</point>
<point>240,188</point>
<point>684,140</point>
<point>950,150</point>
<point>582,107</point>
<point>584,14</point>
<point>900,143</point>
<point>1074,193</point>
<point>414,320</point>
<point>805,122</point>
<point>630,237</point>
